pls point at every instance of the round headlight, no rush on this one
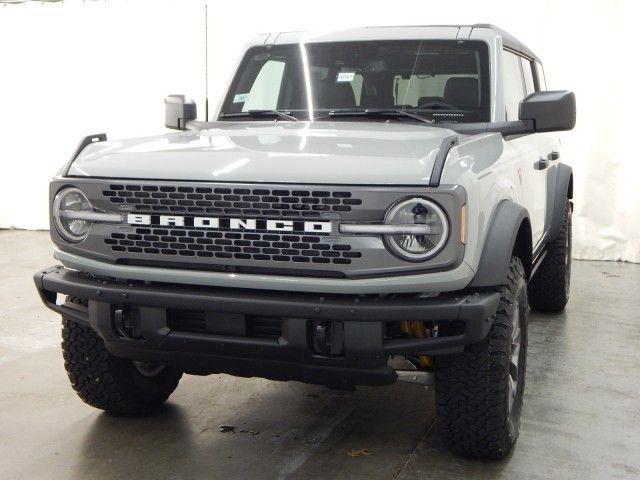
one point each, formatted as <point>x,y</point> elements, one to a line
<point>66,201</point>
<point>417,211</point>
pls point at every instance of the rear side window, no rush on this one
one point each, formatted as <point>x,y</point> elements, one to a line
<point>528,75</point>
<point>513,85</point>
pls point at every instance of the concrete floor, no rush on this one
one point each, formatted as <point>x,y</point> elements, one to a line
<point>581,416</point>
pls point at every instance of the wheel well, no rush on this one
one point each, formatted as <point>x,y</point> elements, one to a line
<point>509,234</point>
<point>522,247</point>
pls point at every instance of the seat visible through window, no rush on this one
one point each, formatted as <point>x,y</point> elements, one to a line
<point>334,95</point>
<point>462,92</point>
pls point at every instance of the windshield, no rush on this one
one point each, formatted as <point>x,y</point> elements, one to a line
<point>441,80</point>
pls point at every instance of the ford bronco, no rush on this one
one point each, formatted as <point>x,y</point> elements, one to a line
<point>368,206</point>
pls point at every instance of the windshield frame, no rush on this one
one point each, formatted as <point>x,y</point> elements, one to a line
<point>485,76</point>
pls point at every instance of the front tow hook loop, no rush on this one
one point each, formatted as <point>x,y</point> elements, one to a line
<point>118,322</point>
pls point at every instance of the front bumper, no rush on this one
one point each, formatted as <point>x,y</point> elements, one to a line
<point>289,354</point>
<point>437,281</point>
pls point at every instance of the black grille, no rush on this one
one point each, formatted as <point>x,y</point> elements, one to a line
<point>264,202</point>
<point>254,246</point>
<point>264,327</point>
<point>197,321</point>
<point>187,321</point>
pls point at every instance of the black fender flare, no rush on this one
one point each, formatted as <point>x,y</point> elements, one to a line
<point>562,194</point>
<point>499,244</point>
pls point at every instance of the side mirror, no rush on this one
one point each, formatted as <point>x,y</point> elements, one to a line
<point>549,111</point>
<point>178,110</point>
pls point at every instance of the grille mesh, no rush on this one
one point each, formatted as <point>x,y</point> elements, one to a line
<point>255,246</point>
<point>267,202</point>
<point>195,321</point>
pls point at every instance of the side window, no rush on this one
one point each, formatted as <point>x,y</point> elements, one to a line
<point>263,94</point>
<point>528,75</point>
<point>542,81</point>
<point>513,85</point>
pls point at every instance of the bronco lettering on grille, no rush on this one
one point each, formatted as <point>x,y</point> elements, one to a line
<point>230,223</point>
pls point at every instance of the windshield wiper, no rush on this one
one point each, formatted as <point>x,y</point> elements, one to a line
<point>378,112</point>
<point>261,113</point>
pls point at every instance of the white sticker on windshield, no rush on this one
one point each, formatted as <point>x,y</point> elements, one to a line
<point>345,77</point>
<point>240,97</point>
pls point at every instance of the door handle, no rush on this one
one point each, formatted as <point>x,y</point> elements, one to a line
<point>541,164</point>
<point>553,156</point>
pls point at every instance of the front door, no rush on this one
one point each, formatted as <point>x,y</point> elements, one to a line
<point>532,153</point>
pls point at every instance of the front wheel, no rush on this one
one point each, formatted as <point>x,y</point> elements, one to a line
<point>110,383</point>
<point>479,392</point>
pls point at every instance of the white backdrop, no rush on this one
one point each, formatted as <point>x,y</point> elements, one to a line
<point>74,68</point>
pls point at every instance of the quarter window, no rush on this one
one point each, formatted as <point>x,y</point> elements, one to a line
<point>513,85</point>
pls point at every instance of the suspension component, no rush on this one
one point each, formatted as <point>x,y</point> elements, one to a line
<point>419,330</point>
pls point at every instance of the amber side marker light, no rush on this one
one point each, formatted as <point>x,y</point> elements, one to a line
<point>463,225</point>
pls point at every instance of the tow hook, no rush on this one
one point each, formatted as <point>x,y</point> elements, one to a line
<point>123,324</point>
<point>327,338</point>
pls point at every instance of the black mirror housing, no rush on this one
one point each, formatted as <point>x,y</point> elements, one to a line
<point>552,111</point>
<point>178,110</point>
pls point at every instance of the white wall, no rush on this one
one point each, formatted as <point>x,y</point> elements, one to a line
<point>71,69</point>
<point>77,67</point>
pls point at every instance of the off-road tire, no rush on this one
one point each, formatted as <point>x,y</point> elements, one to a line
<point>473,393</point>
<point>109,383</point>
<point>549,287</point>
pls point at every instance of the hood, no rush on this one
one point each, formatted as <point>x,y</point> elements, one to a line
<point>365,153</point>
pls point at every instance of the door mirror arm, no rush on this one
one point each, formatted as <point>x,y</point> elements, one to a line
<point>512,129</point>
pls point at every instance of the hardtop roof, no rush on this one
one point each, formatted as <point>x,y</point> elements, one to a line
<point>396,32</point>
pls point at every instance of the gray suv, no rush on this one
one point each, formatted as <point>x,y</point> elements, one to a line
<point>368,206</point>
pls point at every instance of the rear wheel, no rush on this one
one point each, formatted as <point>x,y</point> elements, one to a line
<point>549,287</point>
<point>110,383</point>
<point>479,392</point>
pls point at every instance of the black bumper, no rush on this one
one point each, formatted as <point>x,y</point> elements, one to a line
<point>283,354</point>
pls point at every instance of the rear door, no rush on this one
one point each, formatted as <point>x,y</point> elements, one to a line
<point>549,143</point>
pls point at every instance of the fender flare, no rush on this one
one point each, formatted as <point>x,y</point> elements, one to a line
<point>499,244</point>
<point>563,192</point>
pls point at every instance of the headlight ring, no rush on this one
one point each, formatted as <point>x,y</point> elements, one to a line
<point>419,211</point>
<point>71,199</point>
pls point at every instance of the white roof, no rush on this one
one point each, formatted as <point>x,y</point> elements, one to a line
<point>407,32</point>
